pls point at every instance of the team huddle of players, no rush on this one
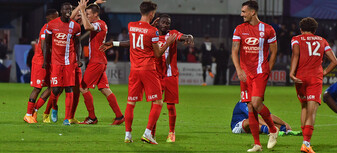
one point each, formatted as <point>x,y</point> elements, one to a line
<point>153,56</point>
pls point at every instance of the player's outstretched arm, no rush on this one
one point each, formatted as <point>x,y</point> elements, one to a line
<point>273,54</point>
<point>159,51</point>
<point>188,39</point>
<point>235,57</point>
<point>46,49</point>
<point>75,12</point>
<point>333,62</point>
<point>279,121</point>
<point>110,44</point>
<point>86,24</point>
<point>294,61</point>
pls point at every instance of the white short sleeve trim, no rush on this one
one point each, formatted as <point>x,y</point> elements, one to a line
<point>272,39</point>
<point>327,48</point>
<point>49,32</point>
<point>43,36</point>
<point>96,26</point>
<point>236,37</point>
<point>155,39</point>
<point>294,42</point>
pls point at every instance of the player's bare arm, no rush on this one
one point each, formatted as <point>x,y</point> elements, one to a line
<point>294,61</point>
<point>235,57</point>
<point>159,51</point>
<point>188,39</point>
<point>75,12</point>
<point>155,22</point>
<point>46,49</point>
<point>86,23</point>
<point>333,62</point>
<point>273,54</point>
<point>110,44</point>
<point>77,50</point>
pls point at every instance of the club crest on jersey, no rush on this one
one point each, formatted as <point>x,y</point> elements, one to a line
<point>61,36</point>
<point>70,30</point>
<point>261,34</point>
<point>251,41</point>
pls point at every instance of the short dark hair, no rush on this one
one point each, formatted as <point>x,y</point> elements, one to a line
<point>308,24</point>
<point>252,5</point>
<point>147,6</point>
<point>94,8</point>
<point>164,16</point>
<point>66,3</point>
<point>51,12</point>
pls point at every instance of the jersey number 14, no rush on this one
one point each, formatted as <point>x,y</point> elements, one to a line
<point>139,41</point>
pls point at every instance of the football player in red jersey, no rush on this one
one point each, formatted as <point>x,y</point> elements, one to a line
<point>307,72</point>
<point>39,76</point>
<point>166,67</point>
<point>95,74</point>
<point>144,49</point>
<point>62,38</point>
<point>254,39</point>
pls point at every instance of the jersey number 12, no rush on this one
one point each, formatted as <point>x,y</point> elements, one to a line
<point>315,43</point>
<point>139,41</point>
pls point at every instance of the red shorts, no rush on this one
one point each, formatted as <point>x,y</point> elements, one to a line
<point>170,86</point>
<point>140,80</point>
<point>39,77</point>
<point>254,87</point>
<point>62,75</point>
<point>309,90</point>
<point>95,75</point>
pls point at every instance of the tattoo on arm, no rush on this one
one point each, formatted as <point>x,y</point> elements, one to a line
<point>235,44</point>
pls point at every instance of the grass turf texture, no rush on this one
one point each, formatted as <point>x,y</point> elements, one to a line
<point>203,123</point>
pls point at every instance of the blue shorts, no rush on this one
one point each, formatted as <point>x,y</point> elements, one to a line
<point>332,90</point>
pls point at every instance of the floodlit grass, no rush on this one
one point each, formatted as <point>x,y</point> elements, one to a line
<point>203,123</point>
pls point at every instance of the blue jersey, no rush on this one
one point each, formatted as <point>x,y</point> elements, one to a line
<point>332,90</point>
<point>240,113</point>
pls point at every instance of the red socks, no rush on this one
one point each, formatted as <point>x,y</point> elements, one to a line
<point>154,115</point>
<point>30,107</point>
<point>39,103</point>
<point>307,132</point>
<point>254,126</point>
<point>114,105</point>
<point>48,107</point>
<point>265,114</point>
<point>89,103</point>
<point>129,117</point>
<point>69,102</point>
<point>172,116</point>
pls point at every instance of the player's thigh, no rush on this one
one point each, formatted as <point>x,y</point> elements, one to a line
<point>152,87</point>
<point>103,80</point>
<point>78,75</point>
<point>171,89</point>
<point>314,90</point>
<point>92,75</point>
<point>246,89</point>
<point>259,84</point>
<point>56,75</point>
<point>135,87</point>
<point>39,76</point>
<point>69,76</point>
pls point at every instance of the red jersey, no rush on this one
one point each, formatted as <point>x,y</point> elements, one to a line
<point>38,55</point>
<point>254,46</point>
<point>312,48</point>
<point>63,33</point>
<point>167,64</point>
<point>97,38</point>
<point>142,35</point>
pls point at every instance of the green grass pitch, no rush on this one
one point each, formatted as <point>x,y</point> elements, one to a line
<point>203,123</point>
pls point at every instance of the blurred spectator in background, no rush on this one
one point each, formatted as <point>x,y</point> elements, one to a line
<point>31,55</point>
<point>123,51</point>
<point>207,51</point>
<point>276,26</point>
<point>190,54</point>
<point>221,59</point>
<point>3,49</point>
<point>294,31</point>
<point>284,43</point>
